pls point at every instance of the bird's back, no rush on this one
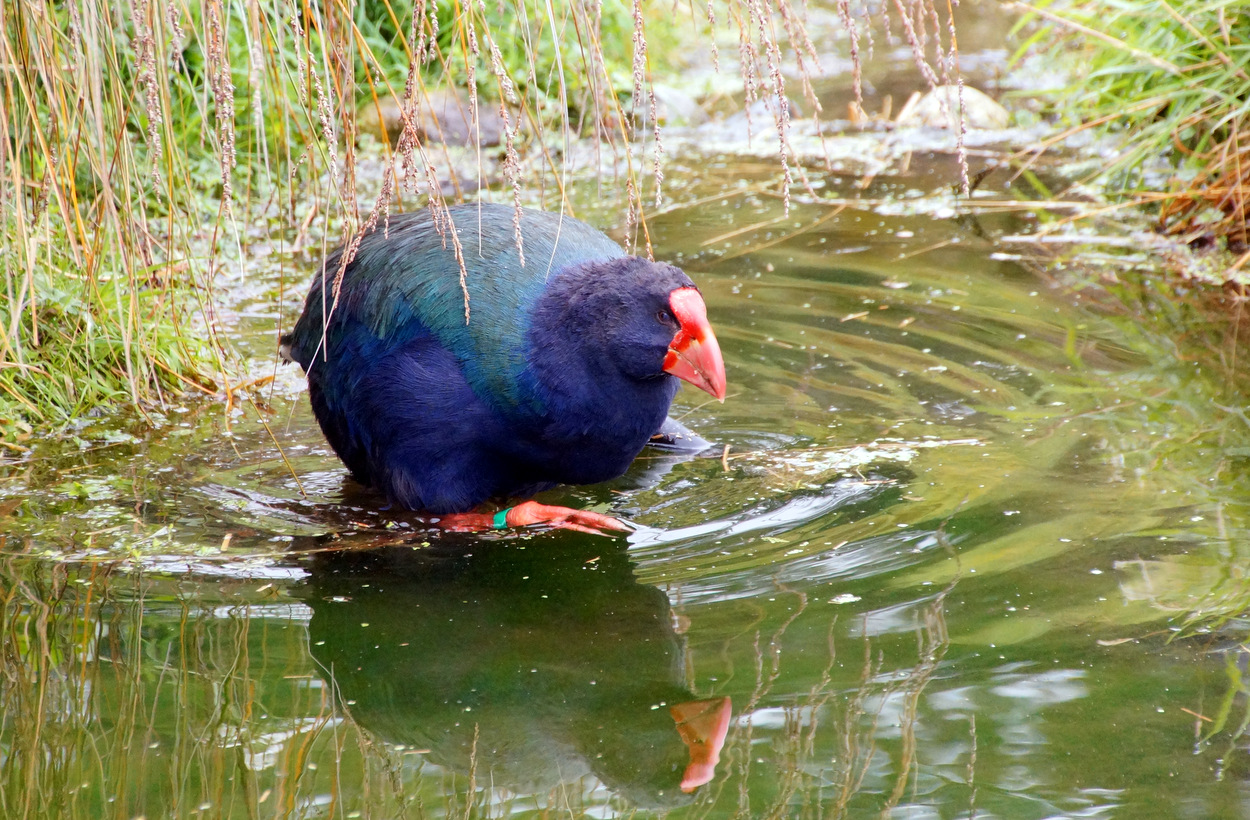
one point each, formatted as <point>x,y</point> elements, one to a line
<point>406,279</point>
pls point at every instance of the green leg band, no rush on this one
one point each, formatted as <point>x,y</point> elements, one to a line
<point>500,521</point>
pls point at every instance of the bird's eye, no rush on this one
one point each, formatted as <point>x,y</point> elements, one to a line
<point>663,317</point>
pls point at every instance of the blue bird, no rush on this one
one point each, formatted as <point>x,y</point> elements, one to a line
<point>562,367</point>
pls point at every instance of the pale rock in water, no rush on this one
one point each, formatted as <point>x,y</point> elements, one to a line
<point>939,108</point>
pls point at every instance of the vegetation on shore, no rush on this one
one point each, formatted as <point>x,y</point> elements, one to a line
<point>1172,80</point>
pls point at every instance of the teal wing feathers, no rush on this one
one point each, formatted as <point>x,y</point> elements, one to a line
<point>405,280</point>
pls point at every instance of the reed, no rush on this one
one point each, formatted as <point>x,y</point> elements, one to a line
<point>144,145</point>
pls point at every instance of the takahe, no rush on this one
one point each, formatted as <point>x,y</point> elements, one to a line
<point>562,371</point>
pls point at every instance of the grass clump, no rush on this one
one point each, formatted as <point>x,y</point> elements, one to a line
<point>73,342</point>
<point>1172,78</point>
<point>118,154</point>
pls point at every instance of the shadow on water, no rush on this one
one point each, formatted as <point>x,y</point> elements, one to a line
<point>523,667</point>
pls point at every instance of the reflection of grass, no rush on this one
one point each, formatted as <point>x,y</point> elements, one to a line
<point>1230,720</point>
<point>831,740</point>
<point>125,697</point>
<point>1192,435</point>
<point>86,687</point>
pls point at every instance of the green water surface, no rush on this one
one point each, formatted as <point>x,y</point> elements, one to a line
<point>973,550</point>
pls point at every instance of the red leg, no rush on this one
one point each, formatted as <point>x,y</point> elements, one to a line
<point>531,513</point>
<point>465,522</point>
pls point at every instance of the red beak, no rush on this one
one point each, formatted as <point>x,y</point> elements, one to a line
<point>694,354</point>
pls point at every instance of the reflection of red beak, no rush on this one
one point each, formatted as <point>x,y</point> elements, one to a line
<point>702,725</point>
<point>694,354</point>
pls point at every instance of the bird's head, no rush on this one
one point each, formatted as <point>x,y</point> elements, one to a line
<point>647,319</point>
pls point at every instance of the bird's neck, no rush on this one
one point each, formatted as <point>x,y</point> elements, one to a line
<point>599,414</point>
<point>579,384</point>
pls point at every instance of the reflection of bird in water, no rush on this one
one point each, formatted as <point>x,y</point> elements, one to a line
<point>536,663</point>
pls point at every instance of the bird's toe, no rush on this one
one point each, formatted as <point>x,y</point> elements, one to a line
<point>530,513</point>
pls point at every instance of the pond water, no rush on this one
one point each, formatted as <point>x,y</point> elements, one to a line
<point>973,550</point>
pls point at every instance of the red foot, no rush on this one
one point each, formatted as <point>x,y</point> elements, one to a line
<point>702,725</point>
<point>530,513</point>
